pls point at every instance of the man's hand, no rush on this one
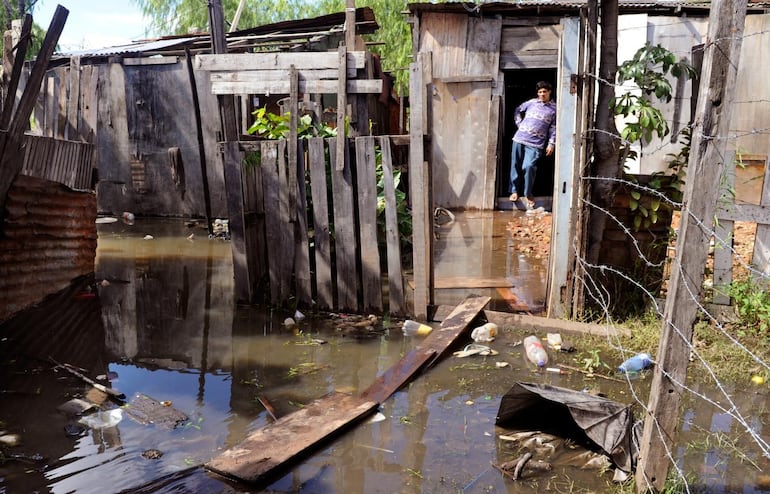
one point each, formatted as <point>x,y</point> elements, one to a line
<point>549,150</point>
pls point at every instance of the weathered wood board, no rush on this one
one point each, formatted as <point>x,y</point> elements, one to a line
<point>267,450</point>
<point>264,451</point>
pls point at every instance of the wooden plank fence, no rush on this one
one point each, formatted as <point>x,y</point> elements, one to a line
<point>325,248</point>
<point>66,162</point>
<point>732,208</point>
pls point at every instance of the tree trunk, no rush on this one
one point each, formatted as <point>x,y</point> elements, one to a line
<point>606,162</point>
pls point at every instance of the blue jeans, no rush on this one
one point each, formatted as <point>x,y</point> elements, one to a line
<point>524,163</point>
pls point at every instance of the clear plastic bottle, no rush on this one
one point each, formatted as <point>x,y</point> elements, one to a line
<point>484,333</point>
<point>535,351</point>
<point>637,363</point>
<point>414,328</point>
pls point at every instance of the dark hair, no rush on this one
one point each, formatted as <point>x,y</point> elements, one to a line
<point>544,85</point>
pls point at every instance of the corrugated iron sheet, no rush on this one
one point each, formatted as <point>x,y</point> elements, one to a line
<point>49,239</point>
<point>133,48</point>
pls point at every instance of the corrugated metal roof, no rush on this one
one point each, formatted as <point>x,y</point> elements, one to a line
<point>136,47</point>
<point>564,6</point>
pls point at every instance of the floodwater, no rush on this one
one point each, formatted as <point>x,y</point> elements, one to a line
<point>164,325</point>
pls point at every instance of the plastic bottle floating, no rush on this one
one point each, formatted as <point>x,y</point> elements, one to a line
<point>484,333</point>
<point>637,363</point>
<point>536,354</point>
<point>414,328</point>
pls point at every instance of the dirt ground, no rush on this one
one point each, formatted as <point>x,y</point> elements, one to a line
<point>535,234</point>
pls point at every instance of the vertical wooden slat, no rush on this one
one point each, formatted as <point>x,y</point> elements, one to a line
<point>232,166</point>
<point>73,103</point>
<point>293,119</point>
<point>88,103</point>
<point>371,278</point>
<point>396,305</point>
<point>723,232</point>
<point>422,226</point>
<point>51,106</point>
<point>342,104</point>
<point>61,118</point>
<point>286,241</point>
<point>344,233</point>
<point>302,248</point>
<point>322,252</point>
<point>270,190</point>
<point>761,256</point>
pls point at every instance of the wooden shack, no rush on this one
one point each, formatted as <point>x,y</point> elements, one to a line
<point>474,65</point>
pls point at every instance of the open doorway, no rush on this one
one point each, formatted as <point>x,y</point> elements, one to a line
<point>519,87</point>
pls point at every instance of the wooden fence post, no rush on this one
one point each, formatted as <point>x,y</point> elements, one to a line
<point>232,167</point>
<point>722,53</point>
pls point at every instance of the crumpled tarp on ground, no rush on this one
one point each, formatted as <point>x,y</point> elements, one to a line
<point>572,414</point>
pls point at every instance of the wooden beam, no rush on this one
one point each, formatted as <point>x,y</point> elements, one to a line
<point>707,161</point>
<point>283,60</point>
<point>11,141</point>
<point>17,60</point>
<point>232,166</point>
<point>342,103</point>
<point>371,277</point>
<point>419,190</point>
<point>357,86</point>
<point>201,142</point>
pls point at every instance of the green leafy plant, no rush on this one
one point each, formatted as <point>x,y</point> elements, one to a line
<point>752,304</point>
<point>649,70</point>
<point>269,125</point>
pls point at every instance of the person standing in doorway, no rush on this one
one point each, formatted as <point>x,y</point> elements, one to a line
<point>536,122</point>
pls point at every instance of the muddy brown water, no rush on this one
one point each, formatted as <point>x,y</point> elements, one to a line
<point>165,326</point>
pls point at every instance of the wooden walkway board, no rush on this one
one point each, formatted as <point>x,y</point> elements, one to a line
<point>272,446</point>
<point>430,350</point>
<point>392,379</point>
<point>453,326</point>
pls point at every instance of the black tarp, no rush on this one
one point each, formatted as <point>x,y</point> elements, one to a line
<point>571,414</point>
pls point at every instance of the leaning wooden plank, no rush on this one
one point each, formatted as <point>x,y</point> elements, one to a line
<point>371,279</point>
<point>392,379</point>
<point>290,437</point>
<point>357,86</point>
<point>454,325</point>
<point>279,61</point>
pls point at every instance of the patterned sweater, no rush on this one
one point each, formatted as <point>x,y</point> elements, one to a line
<point>537,123</point>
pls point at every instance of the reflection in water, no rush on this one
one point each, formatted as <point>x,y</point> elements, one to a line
<point>164,325</point>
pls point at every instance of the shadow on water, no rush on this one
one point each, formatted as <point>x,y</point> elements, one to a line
<point>164,325</point>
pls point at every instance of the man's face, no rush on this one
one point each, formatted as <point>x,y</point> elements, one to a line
<point>544,95</point>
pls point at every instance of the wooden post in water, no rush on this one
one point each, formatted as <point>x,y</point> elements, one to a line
<point>232,166</point>
<point>722,53</point>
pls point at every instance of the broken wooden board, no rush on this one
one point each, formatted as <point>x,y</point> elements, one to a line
<point>435,345</point>
<point>145,410</point>
<point>262,453</point>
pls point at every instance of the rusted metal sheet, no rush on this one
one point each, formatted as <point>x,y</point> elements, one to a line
<point>49,239</point>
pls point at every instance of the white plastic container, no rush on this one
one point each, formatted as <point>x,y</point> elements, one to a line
<point>484,333</point>
<point>535,351</point>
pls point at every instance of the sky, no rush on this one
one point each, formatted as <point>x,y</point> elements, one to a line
<point>93,23</point>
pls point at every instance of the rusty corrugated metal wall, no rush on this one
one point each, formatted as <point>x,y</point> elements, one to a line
<point>49,239</point>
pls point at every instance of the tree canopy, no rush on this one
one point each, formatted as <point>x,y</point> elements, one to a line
<point>393,40</point>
